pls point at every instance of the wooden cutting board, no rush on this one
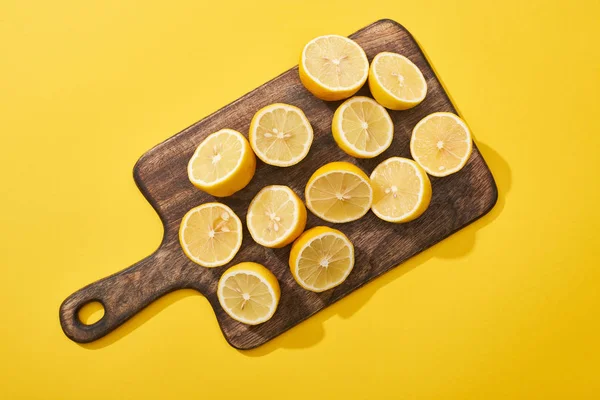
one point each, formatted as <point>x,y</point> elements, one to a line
<point>161,175</point>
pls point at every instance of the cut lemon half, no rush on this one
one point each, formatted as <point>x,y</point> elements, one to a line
<point>222,164</point>
<point>280,135</point>
<point>333,67</point>
<point>321,259</point>
<point>249,293</point>
<point>339,192</point>
<point>395,82</point>
<point>401,190</point>
<point>362,127</point>
<point>276,216</point>
<point>210,234</point>
<point>441,143</point>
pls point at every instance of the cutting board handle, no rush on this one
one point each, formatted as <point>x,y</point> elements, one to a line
<point>122,295</point>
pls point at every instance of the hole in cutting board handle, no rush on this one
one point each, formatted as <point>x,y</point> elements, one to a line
<point>91,313</point>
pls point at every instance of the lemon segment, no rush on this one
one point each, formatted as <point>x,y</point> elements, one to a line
<point>441,143</point>
<point>222,164</point>
<point>276,216</point>
<point>401,190</point>
<point>395,82</point>
<point>210,234</point>
<point>280,135</point>
<point>339,192</point>
<point>321,259</point>
<point>333,67</point>
<point>362,127</point>
<point>249,293</point>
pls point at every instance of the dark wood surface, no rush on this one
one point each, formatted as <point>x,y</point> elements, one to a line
<point>161,175</point>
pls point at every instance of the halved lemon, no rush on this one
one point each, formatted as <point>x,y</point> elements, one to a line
<point>249,293</point>
<point>441,143</point>
<point>276,216</point>
<point>210,234</point>
<point>222,164</point>
<point>339,192</point>
<point>401,190</point>
<point>395,82</point>
<point>280,135</point>
<point>333,67</point>
<point>362,127</point>
<point>321,259</point>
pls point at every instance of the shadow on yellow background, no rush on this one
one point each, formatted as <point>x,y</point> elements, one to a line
<point>456,246</point>
<point>307,335</point>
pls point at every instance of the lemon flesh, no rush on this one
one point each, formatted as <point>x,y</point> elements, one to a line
<point>249,293</point>
<point>280,135</point>
<point>276,216</point>
<point>321,259</point>
<point>222,164</point>
<point>401,190</point>
<point>362,127</point>
<point>396,82</point>
<point>210,234</point>
<point>333,67</point>
<point>441,143</point>
<point>339,192</point>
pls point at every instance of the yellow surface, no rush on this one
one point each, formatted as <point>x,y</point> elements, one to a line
<point>505,309</point>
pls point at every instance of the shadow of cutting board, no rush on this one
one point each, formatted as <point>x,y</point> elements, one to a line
<point>161,175</point>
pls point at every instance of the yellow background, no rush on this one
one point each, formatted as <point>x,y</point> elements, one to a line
<point>505,309</point>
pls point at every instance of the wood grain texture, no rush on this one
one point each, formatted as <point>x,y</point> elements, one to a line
<point>161,175</point>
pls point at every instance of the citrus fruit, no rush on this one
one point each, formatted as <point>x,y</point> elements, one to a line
<point>222,164</point>
<point>339,192</point>
<point>401,190</point>
<point>395,82</point>
<point>280,135</point>
<point>362,127</point>
<point>210,234</point>
<point>333,67</point>
<point>276,216</point>
<point>249,293</point>
<point>321,258</point>
<point>441,143</point>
